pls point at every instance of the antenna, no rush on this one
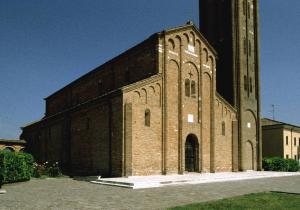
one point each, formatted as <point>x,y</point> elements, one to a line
<point>273,111</point>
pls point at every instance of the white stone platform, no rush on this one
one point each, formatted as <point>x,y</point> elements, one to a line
<point>141,182</point>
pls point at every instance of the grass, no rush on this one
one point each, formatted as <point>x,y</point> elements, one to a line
<point>265,201</point>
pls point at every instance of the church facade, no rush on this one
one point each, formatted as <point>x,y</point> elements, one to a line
<point>154,109</point>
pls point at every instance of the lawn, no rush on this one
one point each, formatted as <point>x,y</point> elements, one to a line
<point>265,201</point>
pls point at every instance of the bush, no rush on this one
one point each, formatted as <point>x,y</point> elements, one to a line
<point>15,167</point>
<point>292,165</point>
<point>53,170</point>
<point>280,164</point>
<point>46,169</point>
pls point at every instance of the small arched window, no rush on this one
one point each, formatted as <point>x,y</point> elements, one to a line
<point>193,89</point>
<point>223,128</point>
<point>250,85</point>
<point>147,117</point>
<point>187,88</point>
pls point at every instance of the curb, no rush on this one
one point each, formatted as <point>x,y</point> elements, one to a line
<point>2,191</point>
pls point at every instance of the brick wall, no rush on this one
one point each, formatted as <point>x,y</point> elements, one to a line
<point>144,142</point>
<point>135,64</point>
<point>225,115</point>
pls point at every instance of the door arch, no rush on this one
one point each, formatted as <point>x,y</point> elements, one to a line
<point>191,153</point>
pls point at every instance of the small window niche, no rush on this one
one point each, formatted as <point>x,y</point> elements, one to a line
<point>147,117</point>
<point>193,89</point>
<point>223,128</point>
<point>245,83</point>
<point>249,48</point>
<point>245,46</point>
<point>187,88</point>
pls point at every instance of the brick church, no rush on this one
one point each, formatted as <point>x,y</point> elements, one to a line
<point>184,100</point>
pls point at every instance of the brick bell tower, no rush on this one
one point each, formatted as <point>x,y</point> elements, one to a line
<point>231,27</point>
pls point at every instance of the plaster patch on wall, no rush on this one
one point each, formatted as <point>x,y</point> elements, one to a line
<point>191,48</point>
<point>190,118</point>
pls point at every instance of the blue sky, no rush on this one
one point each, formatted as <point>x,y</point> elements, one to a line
<point>45,45</point>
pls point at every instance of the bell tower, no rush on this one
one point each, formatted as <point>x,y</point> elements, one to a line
<point>231,27</point>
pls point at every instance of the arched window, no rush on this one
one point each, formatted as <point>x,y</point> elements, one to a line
<point>223,128</point>
<point>187,88</point>
<point>147,117</point>
<point>250,85</point>
<point>193,89</point>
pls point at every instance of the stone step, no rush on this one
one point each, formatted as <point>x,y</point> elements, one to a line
<point>114,183</point>
<point>2,191</point>
<point>161,181</point>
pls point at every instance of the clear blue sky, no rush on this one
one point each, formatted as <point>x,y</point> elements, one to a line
<point>46,44</point>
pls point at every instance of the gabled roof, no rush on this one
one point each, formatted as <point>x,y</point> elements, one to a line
<point>192,26</point>
<point>268,123</point>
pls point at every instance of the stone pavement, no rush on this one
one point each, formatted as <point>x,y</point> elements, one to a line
<point>66,193</point>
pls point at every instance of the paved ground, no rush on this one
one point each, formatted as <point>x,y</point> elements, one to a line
<point>65,193</point>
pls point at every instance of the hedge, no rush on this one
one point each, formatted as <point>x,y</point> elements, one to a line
<point>15,167</point>
<point>280,164</point>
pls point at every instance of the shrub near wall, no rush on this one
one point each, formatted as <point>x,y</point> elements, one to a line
<point>280,164</point>
<point>15,167</point>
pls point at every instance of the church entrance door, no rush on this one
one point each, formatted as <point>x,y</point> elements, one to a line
<point>191,153</point>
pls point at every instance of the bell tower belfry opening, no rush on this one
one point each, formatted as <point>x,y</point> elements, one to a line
<point>231,27</point>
